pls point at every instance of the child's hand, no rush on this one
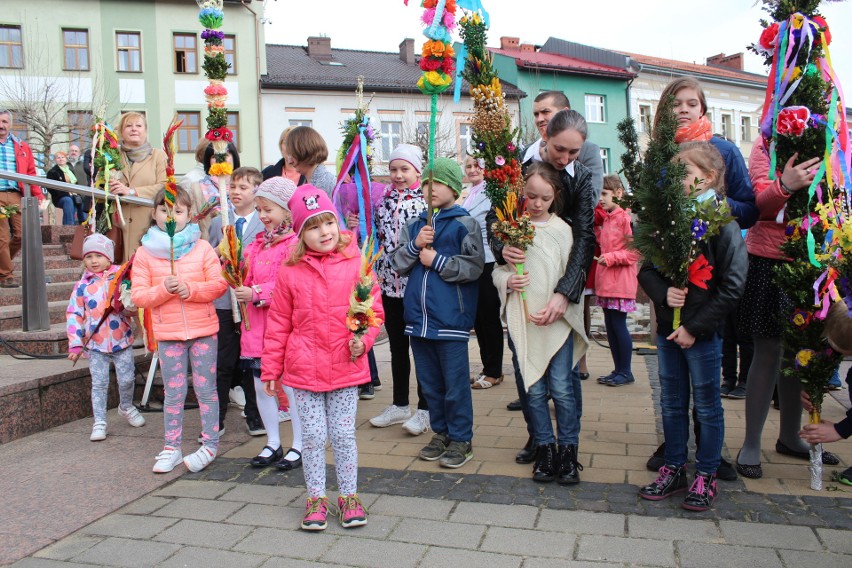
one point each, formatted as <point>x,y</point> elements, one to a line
<point>356,348</point>
<point>601,260</point>
<point>425,237</point>
<point>427,256</point>
<point>519,283</point>
<point>819,433</point>
<point>683,338</point>
<point>183,290</point>
<point>806,401</point>
<point>352,220</point>
<point>514,255</point>
<point>243,294</point>
<point>269,388</point>
<point>73,357</point>
<point>676,297</point>
<point>171,283</point>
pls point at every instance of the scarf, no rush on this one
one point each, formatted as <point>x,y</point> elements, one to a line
<point>137,154</point>
<point>698,131</point>
<point>271,237</point>
<point>69,175</point>
<point>472,193</point>
<point>156,241</point>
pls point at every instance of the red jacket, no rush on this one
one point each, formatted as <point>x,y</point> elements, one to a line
<point>25,164</point>
<point>617,278</point>
<point>307,342</point>
<point>767,235</point>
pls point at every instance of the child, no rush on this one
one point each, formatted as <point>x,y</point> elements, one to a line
<point>402,202</point>
<point>264,256</point>
<point>615,280</point>
<point>690,356</point>
<point>544,355</point>
<point>113,340</point>
<point>230,376</point>
<point>443,261</point>
<point>306,152</point>
<point>309,348</point>
<point>185,324</point>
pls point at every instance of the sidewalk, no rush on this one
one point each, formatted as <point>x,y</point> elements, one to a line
<point>56,483</point>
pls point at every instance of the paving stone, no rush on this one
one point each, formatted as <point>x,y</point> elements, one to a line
<point>581,522</point>
<point>702,555</point>
<point>291,544</point>
<point>836,541</point>
<point>146,505</point>
<point>129,526</point>
<point>201,533</point>
<point>268,516</point>
<point>192,556</point>
<point>618,549</point>
<point>558,563</point>
<point>68,547</point>
<point>772,536</point>
<point>263,494</point>
<point>353,551</point>
<point>438,557</point>
<point>529,542</point>
<point>291,563</point>
<point>196,489</point>
<point>673,529</point>
<point>437,533</point>
<point>128,553</point>
<point>412,507</point>
<point>199,509</point>
<point>814,559</point>
<point>48,563</point>
<point>518,516</point>
<point>378,526</point>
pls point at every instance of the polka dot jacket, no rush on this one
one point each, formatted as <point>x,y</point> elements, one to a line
<point>85,309</point>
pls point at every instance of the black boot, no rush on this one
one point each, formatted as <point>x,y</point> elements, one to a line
<point>545,464</point>
<point>527,454</point>
<point>569,468</point>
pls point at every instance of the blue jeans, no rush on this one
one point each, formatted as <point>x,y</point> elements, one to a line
<point>697,369</point>
<point>443,371</point>
<point>559,382</point>
<point>72,213</point>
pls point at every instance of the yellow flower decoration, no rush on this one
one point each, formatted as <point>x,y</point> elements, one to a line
<point>221,169</point>
<point>803,357</point>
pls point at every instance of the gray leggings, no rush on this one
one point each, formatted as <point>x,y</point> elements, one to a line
<point>125,373</point>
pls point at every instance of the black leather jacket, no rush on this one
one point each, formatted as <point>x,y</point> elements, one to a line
<point>577,208</point>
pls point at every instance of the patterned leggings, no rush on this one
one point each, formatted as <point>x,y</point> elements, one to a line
<point>175,359</point>
<point>323,415</point>
<point>125,372</point>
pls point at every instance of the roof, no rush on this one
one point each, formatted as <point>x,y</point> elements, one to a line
<point>697,69</point>
<point>290,66</point>
<point>571,65</point>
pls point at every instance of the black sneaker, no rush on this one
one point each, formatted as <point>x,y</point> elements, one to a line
<point>255,427</point>
<point>701,494</point>
<point>726,471</point>
<point>657,459</point>
<point>457,454</point>
<point>377,384</point>
<point>738,393</point>
<point>671,480</point>
<point>725,389</point>
<point>366,392</point>
<point>436,447</point>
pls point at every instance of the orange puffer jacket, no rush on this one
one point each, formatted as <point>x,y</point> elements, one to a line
<point>173,318</point>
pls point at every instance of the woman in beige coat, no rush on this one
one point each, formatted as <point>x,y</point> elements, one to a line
<point>143,174</point>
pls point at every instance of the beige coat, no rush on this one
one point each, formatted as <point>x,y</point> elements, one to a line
<point>146,178</point>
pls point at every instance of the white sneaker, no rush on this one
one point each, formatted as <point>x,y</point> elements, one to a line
<point>418,423</point>
<point>134,417</point>
<point>237,397</point>
<point>283,416</point>
<point>167,460</point>
<point>391,415</point>
<point>98,432</point>
<point>199,459</point>
<point>221,433</point>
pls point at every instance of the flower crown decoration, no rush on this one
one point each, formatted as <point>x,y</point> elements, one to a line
<point>216,68</point>
<point>437,63</point>
<point>106,158</point>
<point>358,123</point>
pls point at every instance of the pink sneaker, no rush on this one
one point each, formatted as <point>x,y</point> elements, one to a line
<point>352,511</point>
<point>316,513</point>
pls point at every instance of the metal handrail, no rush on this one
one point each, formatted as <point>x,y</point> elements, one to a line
<point>82,190</point>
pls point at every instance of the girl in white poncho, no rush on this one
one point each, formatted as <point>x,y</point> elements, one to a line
<point>545,355</point>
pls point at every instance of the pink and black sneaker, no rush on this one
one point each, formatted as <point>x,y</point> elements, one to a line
<point>702,493</point>
<point>316,514</point>
<point>670,480</point>
<point>352,511</point>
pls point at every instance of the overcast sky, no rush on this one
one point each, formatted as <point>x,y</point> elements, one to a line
<point>686,30</point>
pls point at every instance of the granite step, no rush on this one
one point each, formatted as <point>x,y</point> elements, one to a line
<point>55,291</point>
<point>11,316</point>
<point>57,234</point>
<point>53,341</point>
<point>63,274</point>
<point>51,262</point>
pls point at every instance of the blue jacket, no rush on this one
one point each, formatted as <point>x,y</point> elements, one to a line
<point>737,183</point>
<point>440,300</point>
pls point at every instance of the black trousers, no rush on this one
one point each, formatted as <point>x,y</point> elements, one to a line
<point>229,372</point>
<point>732,340</point>
<point>400,353</point>
<point>489,329</point>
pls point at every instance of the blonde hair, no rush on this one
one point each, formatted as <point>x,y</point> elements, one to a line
<point>200,149</point>
<point>706,158</point>
<point>127,117</point>
<point>838,327</point>
<point>613,183</point>
<point>301,249</point>
<point>672,89</point>
<point>283,138</point>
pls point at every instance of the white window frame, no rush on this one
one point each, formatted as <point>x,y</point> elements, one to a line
<point>645,121</point>
<point>605,160</point>
<point>745,128</point>
<point>595,108</point>
<point>296,122</point>
<point>465,139</point>
<point>728,126</point>
<point>391,137</point>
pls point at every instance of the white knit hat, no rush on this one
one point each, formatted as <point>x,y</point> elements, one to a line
<point>278,190</point>
<point>410,153</point>
<point>100,244</point>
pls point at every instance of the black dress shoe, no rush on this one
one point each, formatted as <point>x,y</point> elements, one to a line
<point>261,461</point>
<point>546,465</point>
<point>527,454</point>
<point>584,376</point>
<point>657,459</point>
<point>286,465</point>
<point>514,405</point>
<point>726,471</point>
<point>569,467</point>
<point>827,457</point>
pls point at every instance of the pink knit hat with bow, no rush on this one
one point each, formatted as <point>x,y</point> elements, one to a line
<point>277,189</point>
<point>307,202</point>
<point>101,244</point>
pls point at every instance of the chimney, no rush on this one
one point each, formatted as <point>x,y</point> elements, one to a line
<point>319,48</point>
<point>406,51</point>
<point>510,43</point>
<point>527,48</point>
<point>734,61</point>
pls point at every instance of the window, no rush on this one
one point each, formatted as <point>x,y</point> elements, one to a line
<point>128,46</point>
<point>465,139</point>
<point>421,135</point>
<point>746,129</point>
<point>595,108</point>
<point>79,125</point>
<point>296,122</point>
<point>709,116</point>
<point>186,54</point>
<point>605,160</point>
<point>645,118</point>
<point>189,132</point>
<point>76,46</point>
<point>230,45</point>
<point>234,126</point>
<point>11,48</point>
<point>391,137</point>
<point>727,127</point>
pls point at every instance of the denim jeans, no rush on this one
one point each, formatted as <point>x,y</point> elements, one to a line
<point>695,369</point>
<point>443,371</point>
<point>559,382</point>
<point>72,213</point>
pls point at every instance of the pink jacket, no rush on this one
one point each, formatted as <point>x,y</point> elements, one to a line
<point>307,341</point>
<point>766,236</point>
<point>264,265</point>
<point>175,319</point>
<point>86,308</point>
<point>617,278</point>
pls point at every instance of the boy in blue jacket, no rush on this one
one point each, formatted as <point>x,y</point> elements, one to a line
<point>443,262</point>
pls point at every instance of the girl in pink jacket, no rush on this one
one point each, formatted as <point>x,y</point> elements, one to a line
<point>309,348</point>
<point>265,257</point>
<point>185,324</point>
<point>615,280</point>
